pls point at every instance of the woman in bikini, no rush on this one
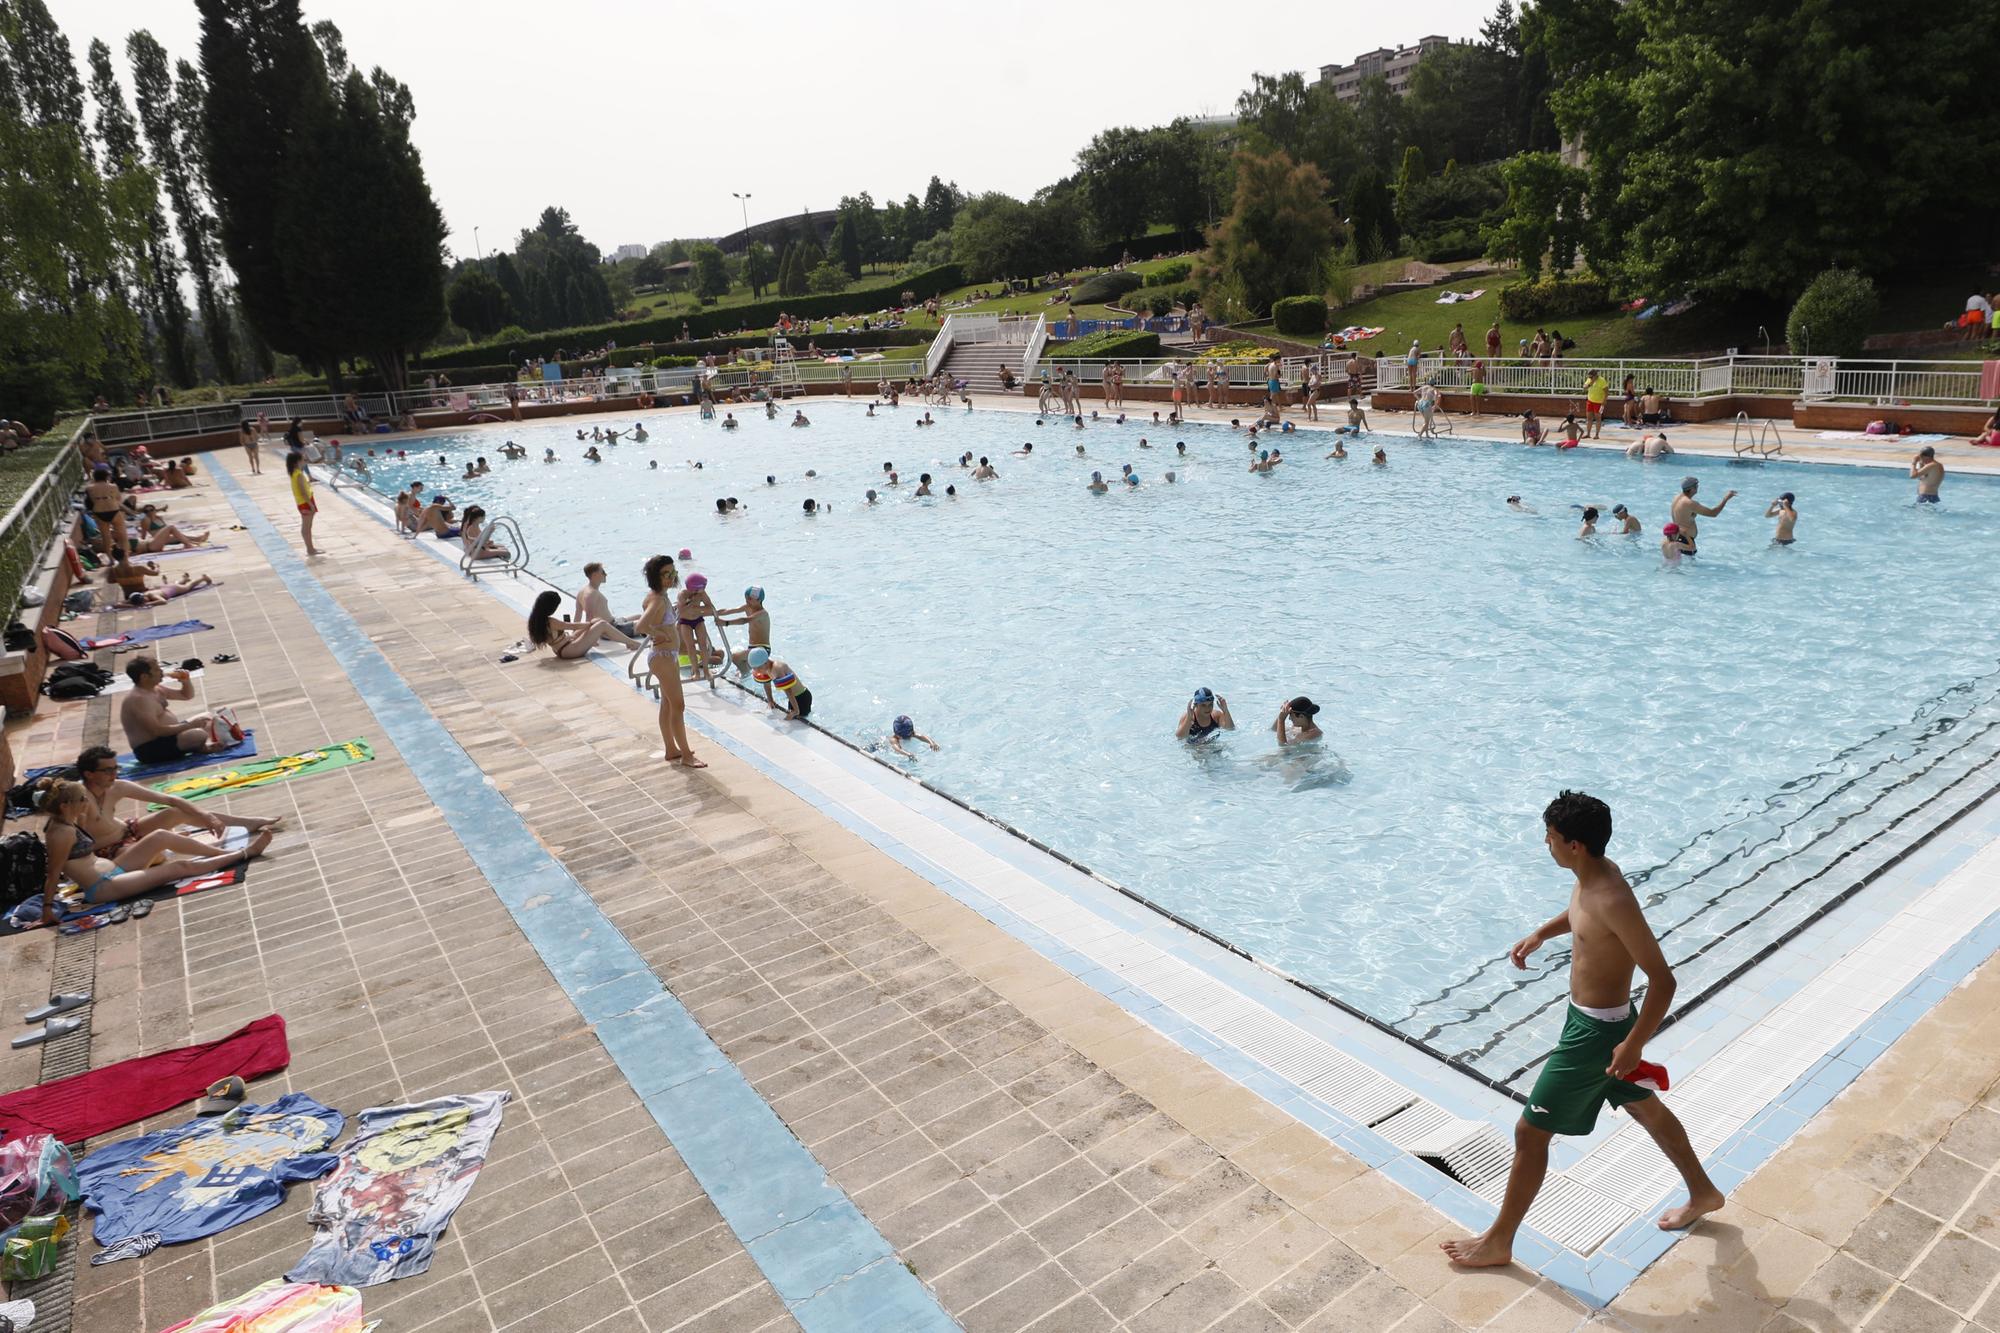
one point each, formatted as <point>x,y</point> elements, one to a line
<point>570,639</point>
<point>75,854</point>
<point>658,623</point>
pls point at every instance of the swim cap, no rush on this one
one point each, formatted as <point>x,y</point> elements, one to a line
<point>1132,478</point>
<point>696,582</point>
<point>1302,706</point>
<point>1786,497</point>
<point>1097,476</point>
<point>1204,695</point>
<point>904,728</point>
<point>1670,530</point>
<point>758,656</point>
<point>1618,510</point>
<point>753,593</point>
<point>1688,485</point>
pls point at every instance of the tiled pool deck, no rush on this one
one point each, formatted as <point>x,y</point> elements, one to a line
<point>1036,1154</point>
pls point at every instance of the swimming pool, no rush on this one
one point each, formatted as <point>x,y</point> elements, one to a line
<point>1754,718</point>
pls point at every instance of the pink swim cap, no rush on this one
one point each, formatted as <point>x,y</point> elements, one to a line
<point>696,582</point>
<point>1670,529</point>
<point>686,554</point>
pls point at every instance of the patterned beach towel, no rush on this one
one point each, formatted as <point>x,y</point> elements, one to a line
<point>247,777</point>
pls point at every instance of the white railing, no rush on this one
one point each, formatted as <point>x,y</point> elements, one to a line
<point>941,345</point>
<point>1880,383</point>
<point>1038,338</point>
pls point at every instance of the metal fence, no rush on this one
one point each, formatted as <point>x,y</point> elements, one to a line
<point>1877,383</point>
<point>34,519</point>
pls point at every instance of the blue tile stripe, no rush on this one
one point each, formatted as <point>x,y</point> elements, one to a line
<point>833,1269</point>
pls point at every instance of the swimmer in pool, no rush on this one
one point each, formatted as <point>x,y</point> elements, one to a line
<point>639,433</point>
<point>1079,451</point>
<point>770,479</point>
<point>1674,543</point>
<point>799,418</point>
<point>1143,444</point>
<point>871,496</point>
<point>1180,447</point>
<point>1295,725</point>
<point>1929,474</point>
<point>1170,476</point>
<point>1589,528</point>
<point>1514,503</point>
<point>1025,451</point>
<point>984,472</point>
<point>729,421</point>
<point>1132,480</point>
<point>1651,447</point>
<point>1339,449</point>
<point>1381,458</point>
<point>1782,509</point>
<point>1207,713</point>
<point>548,455</point>
<point>903,729</point>
<point>894,480</point>
<point>924,483</point>
<point>1627,521</point>
<point>592,454</point>
<point>1097,486</point>
<point>1687,508</point>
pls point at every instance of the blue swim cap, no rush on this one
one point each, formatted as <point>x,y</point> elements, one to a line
<point>759,656</point>
<point>1132,478</point>
<point>904,727</point>
<point>753,592</point>
<point>1204,695</point>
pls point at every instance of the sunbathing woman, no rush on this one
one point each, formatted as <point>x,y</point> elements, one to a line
<point>157,534</point>
<point>131,581</point>
<point>570,639</point>
<point>73,853</point>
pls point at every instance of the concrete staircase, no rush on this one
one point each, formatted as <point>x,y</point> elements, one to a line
<point>978,364</point>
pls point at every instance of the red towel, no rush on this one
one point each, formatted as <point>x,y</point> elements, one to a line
<point>85,1105</point>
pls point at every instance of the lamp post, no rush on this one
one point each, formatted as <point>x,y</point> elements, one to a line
<point>476,246</point>
<point>744,201</point>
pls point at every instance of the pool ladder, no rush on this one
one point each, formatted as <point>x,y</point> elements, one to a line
<point>1753,441</point>
<point>505,533</point>
<point>639,669</point>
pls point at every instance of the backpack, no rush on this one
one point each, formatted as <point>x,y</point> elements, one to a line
<point>61,643</point>
<point>87,670</point>
<point>71,687</point>
<point>24,868</point>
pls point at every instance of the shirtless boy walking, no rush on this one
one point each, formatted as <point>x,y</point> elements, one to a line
<point>1602,1039</point>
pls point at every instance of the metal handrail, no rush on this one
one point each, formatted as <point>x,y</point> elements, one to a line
<point>472,564</point>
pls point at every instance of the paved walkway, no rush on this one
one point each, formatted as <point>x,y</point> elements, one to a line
<point>1038,1158</point>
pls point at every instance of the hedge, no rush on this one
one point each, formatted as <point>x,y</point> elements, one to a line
<point>1166,275</point>
<point>1103,287</point>
<point>1299,315</point>
<point>706,323</point>
<point>1110,345</point>
<point>1551,298</point>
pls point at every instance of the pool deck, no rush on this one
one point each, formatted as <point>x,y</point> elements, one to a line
<point>927,1122</point>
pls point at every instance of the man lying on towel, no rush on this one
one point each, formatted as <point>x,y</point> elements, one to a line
<point>155,734</point>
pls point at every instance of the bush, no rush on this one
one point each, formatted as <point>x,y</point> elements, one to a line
<point>1453,241</point>
<point>1526,302</point>
<point>1157,303</point>
<point>672,362</point>
<point>1106,287</point>
<point>703,323</point>
<point>1168,274</point>
<point>1833,314</point>
<point>1110,345</point>
<point>1299,315</point>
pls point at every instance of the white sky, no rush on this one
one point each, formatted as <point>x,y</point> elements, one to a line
<point>641,118</point>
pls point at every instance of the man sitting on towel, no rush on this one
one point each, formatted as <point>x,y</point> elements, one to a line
<point>154,733</point>
<point>98,768</point>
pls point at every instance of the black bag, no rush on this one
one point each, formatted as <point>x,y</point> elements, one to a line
<point>87,670</point>
<point>72,687</point>
<point>24,869</point>
<point>19,638</point>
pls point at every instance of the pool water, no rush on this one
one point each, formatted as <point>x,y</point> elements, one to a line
<point>1752,717</point>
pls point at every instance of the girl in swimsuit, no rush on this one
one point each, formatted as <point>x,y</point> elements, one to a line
<point>692,608</point>
<point>74,853</point>
<point>1206,714</point>
<point>657,623</point>
<point>570,639</point>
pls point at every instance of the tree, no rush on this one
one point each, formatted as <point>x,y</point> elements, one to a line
<point>649,271</point>
<point>1184,162</point>
<point>1544,217</point>
<point>155,268</point>
<point>478,304</point>
<point>555,251</point>
<point>170,119</point>
<point>1371,215</point>
<point>759,268</point>
<point>1833,315</point>
<point>847,246</point>
<point>1727,141</point>
<point>941,205</point>
<point>677,252</point>
<point>1119,176</point>
<point>710,277</point>
<point>1306,121</point>
<point>66,328</point>
<point>1379,118</point>
<point>1413,170</point>
<point>997,236</point>
<point>828,278</point>
<point>1277,236</point>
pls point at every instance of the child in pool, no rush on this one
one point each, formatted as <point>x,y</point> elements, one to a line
<point>903,729</point>
<point>693,607</point>
<point>774,673</point>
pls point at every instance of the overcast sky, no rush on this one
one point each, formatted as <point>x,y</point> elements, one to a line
<point>641,118</point>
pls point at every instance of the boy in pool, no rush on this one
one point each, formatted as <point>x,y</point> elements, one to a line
<point>772,672</point>
<point>1598,1059</point>
<point>1929,474</point>
<point>1295,725</point>
<point>902,729</point>
<point>1782,509</point>
<point>752,614</point>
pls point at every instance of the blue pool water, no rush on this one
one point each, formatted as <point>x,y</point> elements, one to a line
<point>1753,718</point>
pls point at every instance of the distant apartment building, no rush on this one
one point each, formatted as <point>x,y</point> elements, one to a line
<point>1392,63</point>
<point>628,252</point>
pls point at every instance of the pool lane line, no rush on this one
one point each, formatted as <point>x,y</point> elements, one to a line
<point>835,1272</point>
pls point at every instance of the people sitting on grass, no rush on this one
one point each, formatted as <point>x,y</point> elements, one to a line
<point>151,729</point>
<point>136,867</point>
<point>570,639</point>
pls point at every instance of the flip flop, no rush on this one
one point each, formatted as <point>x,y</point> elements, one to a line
<point>220,658</point>
<point>49,1031</point>
<point>118,915</point>
<point>58,1004</point>
<point>143,907</point>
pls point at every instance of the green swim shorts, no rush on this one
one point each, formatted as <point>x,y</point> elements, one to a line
<point>1574,1085</point>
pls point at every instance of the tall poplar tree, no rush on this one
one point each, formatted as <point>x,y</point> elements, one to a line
<point>155,268</point>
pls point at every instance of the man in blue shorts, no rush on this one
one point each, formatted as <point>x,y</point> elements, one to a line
<point>1602,1040</point>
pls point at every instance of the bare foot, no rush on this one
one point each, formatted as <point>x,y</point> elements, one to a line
<point>256,845</point>
<point>689,761</point>
<point>673,756</point>
<point>1685,1216</point>
<point>273,823</point>
<point>1477,1252</point>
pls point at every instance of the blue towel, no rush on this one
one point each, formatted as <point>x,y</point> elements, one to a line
<point>147,634</point>
<point>129,767</point>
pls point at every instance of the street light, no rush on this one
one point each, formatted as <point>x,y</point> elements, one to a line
<point>744,200</point>
<point>475,245</point>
